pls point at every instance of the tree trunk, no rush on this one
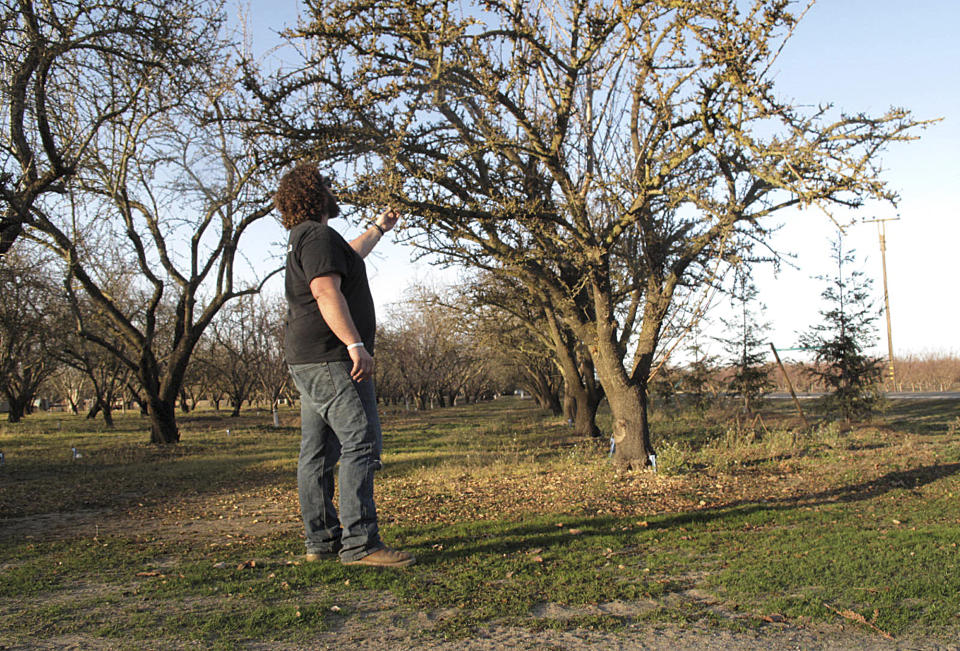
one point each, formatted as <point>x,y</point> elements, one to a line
<point>543,393</point>
<point>631,429</point>
<point>585,422</point>
<point>584,405</point>
<point>94,409</point>
<point>163,422</point>
<point>17,410</point>
<point>141,403</point>
<point>569,405</point>
<point>553,403</point>
<point>626,390</point>
<point>107,413</point>
<point>579,385</point>
<point>543,401</point>
<point>236,397</point>
<point>628,405</point>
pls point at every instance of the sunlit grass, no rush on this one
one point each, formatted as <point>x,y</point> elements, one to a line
<point>513,520</point>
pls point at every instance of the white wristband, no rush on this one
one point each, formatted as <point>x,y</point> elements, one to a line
<point>359,344</point>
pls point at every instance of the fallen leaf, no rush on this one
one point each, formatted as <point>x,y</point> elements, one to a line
<point>575,532</point>
<point>150,573</point>
<point>857,617</point>
<point>774,618</point>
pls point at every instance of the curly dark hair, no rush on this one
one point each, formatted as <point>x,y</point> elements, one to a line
<point>304,195</point>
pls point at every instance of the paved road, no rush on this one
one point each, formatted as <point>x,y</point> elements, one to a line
<point>892,395</point>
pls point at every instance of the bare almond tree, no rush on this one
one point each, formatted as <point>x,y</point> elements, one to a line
<point>69,384</point>
<point>167,176</point>
<point>27,331</point>
<point>273,375</point>
<point>428,353</point>
<point>526,319</point>
<point>606,154</point>
<point>68,70</point>
<point>420,353</point>
<point>105,373</point>
<point>237,339</point>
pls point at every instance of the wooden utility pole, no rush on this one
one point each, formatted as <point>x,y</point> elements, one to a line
<point>882,229</point>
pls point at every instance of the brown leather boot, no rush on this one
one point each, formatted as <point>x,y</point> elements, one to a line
<point>385,557</point>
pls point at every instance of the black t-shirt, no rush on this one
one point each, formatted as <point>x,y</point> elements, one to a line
<point>315,249</point>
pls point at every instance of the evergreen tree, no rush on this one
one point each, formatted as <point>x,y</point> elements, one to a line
<point>664,385</point>
<point>841,339</point>
<point>751,377</point>
<point>701,369</point>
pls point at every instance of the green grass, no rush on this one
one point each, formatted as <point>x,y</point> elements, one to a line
<point>512,519</point>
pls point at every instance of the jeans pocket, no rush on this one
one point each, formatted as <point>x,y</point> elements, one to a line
<point>314,381</point>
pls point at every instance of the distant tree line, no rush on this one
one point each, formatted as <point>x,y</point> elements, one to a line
<point>44,355</point>
<point>435,348</point>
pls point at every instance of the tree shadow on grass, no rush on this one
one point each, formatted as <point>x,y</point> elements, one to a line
<point>546,534</point>
<point>912,478</point>
<point>925,417</point>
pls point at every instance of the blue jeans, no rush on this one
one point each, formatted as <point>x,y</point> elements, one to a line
<point>339,421</point>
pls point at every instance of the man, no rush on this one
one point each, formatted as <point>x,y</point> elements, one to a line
<point>329,348</point>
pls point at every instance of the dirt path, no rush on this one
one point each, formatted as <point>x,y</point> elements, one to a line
<point>497,638</point>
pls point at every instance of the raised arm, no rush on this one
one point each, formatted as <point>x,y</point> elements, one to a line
<point>368,239</point>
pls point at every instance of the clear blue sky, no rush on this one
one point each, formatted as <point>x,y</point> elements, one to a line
<point>868,55</point>
<point>862,55</point>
